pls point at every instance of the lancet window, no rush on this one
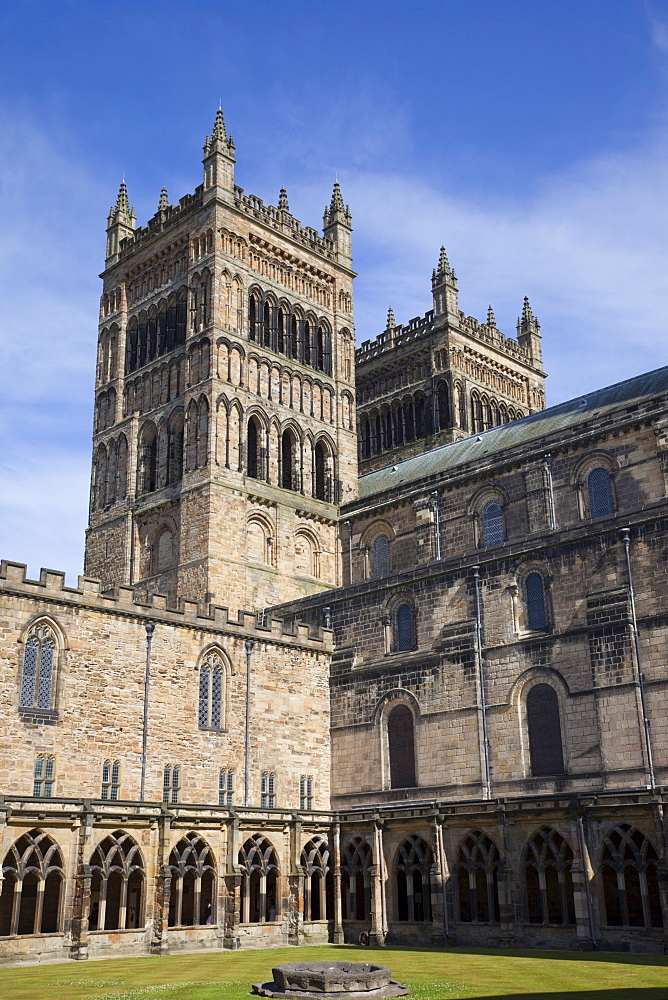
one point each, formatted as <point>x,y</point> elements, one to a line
<point>356,880</point>
<point>38,669</point>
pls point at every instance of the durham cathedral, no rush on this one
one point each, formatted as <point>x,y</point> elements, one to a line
<point>370,647</point>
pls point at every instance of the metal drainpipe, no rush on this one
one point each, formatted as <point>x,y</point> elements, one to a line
<point>150,628</point>
<point>249,649</point>
<point>437,523</point>
<point>625,534</point>
<point>548,469</point>
<point>350,551</point>
<point>481,683</point>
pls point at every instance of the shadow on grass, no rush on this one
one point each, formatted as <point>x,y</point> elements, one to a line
<point>621,957</point>
<point>629,993</point>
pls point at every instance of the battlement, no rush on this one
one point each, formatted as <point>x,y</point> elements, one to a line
<point>124,601</point>
<point>282,221</point>
<point>163,220</point>
<point>398,336</point>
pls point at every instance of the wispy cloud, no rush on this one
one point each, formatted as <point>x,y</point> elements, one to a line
<point>589,247</point>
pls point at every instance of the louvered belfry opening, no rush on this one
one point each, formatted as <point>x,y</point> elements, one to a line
<point>544,724</point>
<point>402,747</point>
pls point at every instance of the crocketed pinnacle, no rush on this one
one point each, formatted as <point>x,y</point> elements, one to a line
<point>283,200</point>
<point>491,319</point>
<point>163,204</point>
<point>390,319</point>
<point>219,127</point>
<point>527,315</point>
<point>443,264</point>
<point>122,203</point>
<point>336,204</point>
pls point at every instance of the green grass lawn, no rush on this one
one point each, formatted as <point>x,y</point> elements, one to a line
<point>431,974</point>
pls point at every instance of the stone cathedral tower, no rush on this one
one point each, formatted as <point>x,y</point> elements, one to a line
<point>224,418</point>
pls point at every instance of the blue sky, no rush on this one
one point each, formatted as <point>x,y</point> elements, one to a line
<point>528,136</point>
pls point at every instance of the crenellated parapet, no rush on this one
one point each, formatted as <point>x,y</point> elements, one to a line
<point>154,607</point>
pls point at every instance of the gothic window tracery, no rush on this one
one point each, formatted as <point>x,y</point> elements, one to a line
<point>33,878</point>
<point>477,879</point>
<point>412,880</point>
<point>259,889</point>
<point>548,861</point>
<point>630,880</point>
<point>192,897</point>
<point>38,667</point>
<point>117,884</point>
<point>319,881</point>
<point>356,880</point>
<point>212,692</point>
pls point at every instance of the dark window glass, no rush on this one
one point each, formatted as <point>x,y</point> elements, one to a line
<point>544,731</point>
<point>402,747</point>
<point>405,631</point>
<point>492,524</point>
<point>600,493</point>
<point>535,595</point>
<point>381,556</point>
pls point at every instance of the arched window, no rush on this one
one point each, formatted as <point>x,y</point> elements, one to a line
<point>318,881</point>
<point>413,867</point>
<point>401,746</point>
<point>548,881</point>
<point>599,488</point>
<point>181,315</point>
<point>38,670</point>
<point>259,888</point>
<point>288,460</point>
<point>544,728</point>
<point>254,449</point>
<point>492,524</point>
<point>117,884</point>
<point>356,880</point>
<point>307,342</point>
<point>252,318</point>
<point>630,879</point>
<point>32,886</point>
<point>443,406</point>
<point>405,628</point>
<point>381,556</point>
<point>148,460</point>
<point>322,484</point>
<point>535,598</point>
<point>193,897</point>
<point>266,325</point>
<point>478,880</point>
<point>211,713</point>
<point>175,456</point>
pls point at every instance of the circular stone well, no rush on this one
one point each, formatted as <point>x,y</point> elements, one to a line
<point>330,981</point>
